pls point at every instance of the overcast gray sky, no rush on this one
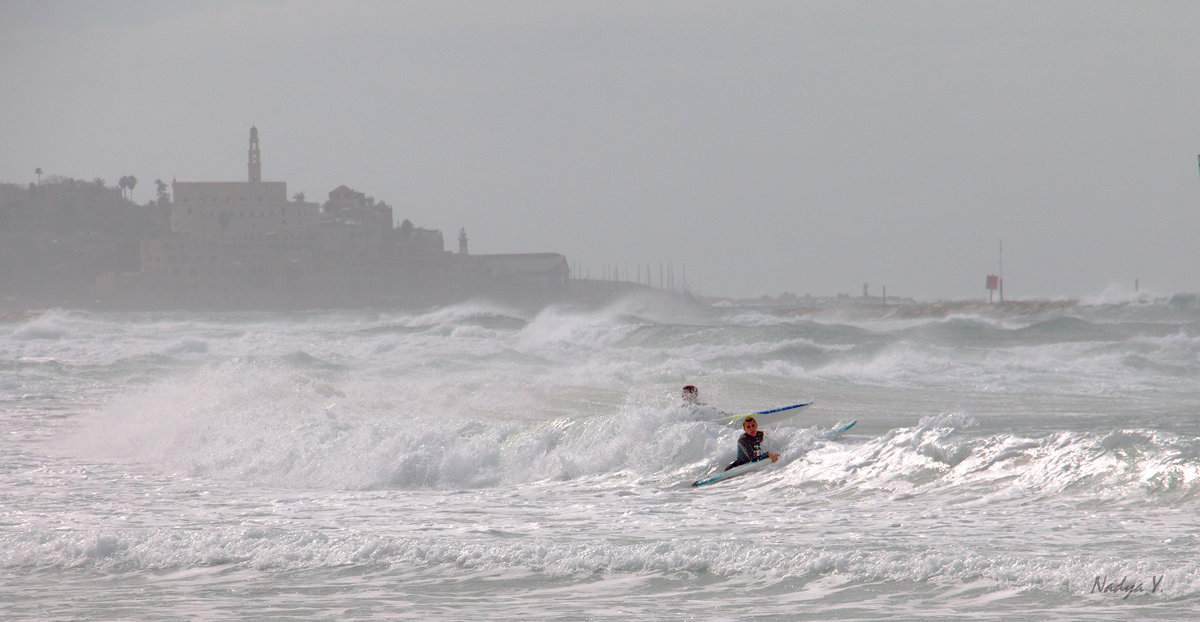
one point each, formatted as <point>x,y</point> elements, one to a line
<point>765,147</point>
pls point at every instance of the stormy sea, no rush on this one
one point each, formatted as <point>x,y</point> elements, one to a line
<point>481,462</point>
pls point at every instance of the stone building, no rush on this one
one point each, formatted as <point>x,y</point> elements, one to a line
<point>246,245</point>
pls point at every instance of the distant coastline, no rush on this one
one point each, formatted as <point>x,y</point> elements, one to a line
<point>599,293</point>
<point>1010,308</point>
<point>872,307</point>
<point>249,246</point>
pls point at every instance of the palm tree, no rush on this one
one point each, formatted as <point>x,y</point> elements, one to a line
<point>39,174</point>
<point>127,182</point>
<point>161,187</point>
<point>298,197</point>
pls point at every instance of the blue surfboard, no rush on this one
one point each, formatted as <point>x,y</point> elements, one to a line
<point>767,416</point>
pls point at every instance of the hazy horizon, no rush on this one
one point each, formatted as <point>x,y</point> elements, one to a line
<point>765,148</point>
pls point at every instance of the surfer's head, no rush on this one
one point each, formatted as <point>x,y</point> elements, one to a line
<point>750,425</point>
<point>691,393</point>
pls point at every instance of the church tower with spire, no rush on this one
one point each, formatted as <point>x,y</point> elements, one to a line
<point>255,164</point>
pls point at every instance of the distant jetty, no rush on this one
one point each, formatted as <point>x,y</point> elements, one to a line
<point>914,310</point>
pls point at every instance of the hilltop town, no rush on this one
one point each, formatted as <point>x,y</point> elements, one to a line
<point>247,245</point>
<point>240,245</point>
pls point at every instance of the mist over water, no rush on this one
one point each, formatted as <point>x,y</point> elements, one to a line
<point>481,461</point>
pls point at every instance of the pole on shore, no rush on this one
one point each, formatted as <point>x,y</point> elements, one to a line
<point>1001,271</point>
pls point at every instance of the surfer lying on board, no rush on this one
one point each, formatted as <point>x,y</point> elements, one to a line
<point>750,445</point>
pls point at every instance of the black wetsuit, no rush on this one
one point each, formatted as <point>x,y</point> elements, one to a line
<point>749,450</point>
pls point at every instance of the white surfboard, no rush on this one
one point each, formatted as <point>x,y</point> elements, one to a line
<point>758,464</point>
<point>734,472</point>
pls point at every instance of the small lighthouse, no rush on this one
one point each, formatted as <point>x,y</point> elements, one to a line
<point>462,241</point>
<point>255,164</point>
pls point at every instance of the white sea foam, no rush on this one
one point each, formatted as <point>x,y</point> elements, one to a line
<point>997,466</point>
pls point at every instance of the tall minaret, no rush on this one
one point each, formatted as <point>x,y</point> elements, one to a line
<point>255,157</point>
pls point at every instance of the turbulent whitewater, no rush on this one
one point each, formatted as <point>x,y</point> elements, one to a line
<point>484,462</point>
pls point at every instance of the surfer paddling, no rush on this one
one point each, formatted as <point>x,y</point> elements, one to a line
<point>750,445</point>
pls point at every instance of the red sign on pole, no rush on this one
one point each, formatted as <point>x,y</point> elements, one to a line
<point>993,282</point>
